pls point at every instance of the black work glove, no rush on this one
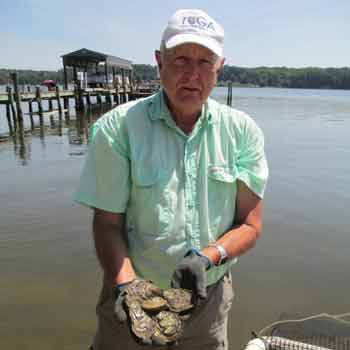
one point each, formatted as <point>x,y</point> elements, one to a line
<point>190,273</point>
<point>119,311</point>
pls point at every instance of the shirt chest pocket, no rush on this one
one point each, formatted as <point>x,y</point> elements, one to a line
<point>222,189</point>
<point>151,199</point>
<point>222,174</point>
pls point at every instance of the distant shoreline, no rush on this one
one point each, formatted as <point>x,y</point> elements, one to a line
<point>278,77</point>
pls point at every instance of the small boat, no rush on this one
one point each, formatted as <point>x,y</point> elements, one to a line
<point>50,84</point>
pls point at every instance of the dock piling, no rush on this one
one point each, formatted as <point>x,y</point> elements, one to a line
<point>59,106</point>
<point>52,122</point>
<point>12,106</point>
<point>99,99</point>
<point>20,130</point>
<point>58,99</point>
<point>88,99</point>
<point>8,116</point>
<point>66,108</point>
<point>30,107</point>
<point>14,78</point>
<point>116,95</point>
<point>40,110</point>
<point>229,93</point>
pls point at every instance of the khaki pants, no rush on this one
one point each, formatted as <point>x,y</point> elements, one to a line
<point>205,330</point>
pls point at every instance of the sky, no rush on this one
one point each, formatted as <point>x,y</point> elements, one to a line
<point>296,33</point>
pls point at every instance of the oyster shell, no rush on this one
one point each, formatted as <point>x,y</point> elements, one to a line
<point>154,304</point>
<point>169,326</point>
<point>142,325</point>
<point>179,300</point>
<point>156,314</point>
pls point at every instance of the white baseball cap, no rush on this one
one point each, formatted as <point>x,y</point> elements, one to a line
<point>194,26</point>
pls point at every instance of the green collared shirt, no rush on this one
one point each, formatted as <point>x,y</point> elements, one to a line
<point>178,191</point>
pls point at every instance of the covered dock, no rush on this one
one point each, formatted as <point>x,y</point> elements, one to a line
<point>101,69</point>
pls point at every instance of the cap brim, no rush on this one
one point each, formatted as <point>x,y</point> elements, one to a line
<point>209,43</point>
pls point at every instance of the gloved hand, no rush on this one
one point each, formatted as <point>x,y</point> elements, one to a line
<point>119,311</point>
<point>190,273</point>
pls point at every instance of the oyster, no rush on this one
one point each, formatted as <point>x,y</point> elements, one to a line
<point>154,304</point>
<point>169,327</point>
<point>179,300</point>
<point>142,325</point>
<point>143,290</point>
<point>156,314</point>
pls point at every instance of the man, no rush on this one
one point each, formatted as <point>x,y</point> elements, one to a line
<point>176,182</point>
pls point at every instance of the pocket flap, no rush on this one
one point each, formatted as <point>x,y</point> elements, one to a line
<point>222,173</point>
<point>146,177</point>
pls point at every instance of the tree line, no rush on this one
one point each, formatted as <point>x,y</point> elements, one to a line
<point>30,77</point>
<point>307,78</point>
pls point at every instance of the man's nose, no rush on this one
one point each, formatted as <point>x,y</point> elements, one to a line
<point>192,70</point>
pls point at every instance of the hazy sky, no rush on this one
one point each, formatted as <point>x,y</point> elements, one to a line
<point>296,33</point>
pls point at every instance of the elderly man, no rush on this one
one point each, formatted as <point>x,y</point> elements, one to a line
<point>176,182</point>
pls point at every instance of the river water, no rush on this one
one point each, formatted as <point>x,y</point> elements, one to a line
<point>50,278</point>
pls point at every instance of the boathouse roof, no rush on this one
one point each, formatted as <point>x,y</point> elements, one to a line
<point>85,57</point>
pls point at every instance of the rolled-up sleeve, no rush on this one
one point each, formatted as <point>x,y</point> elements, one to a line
<point>251,161</point>
<point>105,177</point>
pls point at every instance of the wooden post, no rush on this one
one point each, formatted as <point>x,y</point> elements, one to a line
<point>8,116</point>
<point>108,97</point>
<point>99,99</point>
<point>13,109</point>
<point>60,126</point>
<point>113,70</point>
<point>30,107</point>
<point>89,116</point>
<point>130,81</point>
<point>75,76</point>
<point>229,94</point>
<point>59,106</point>
<point>20,130</point>
<point>65,77</point>
<point>58,98</point>
<point>116,95</point>
<point>14,77</point>
<point>124,86</point>
<point>66,107</point>
<point>106,73</point>
<point>76,99</point>
<point>40,110</point>
<point>31,115</point>
<point>52,122</point>
<point>88,99</point>
<point>79,100</point>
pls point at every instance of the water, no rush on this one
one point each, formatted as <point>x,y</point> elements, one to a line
<point>49,274</point>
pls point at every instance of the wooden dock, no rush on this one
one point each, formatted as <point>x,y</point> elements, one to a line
<point>51,95</point>
<point>14,100</point>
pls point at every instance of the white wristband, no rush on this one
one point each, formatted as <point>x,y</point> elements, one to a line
<point>222,252</point>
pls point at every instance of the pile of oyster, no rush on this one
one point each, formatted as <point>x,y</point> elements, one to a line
<point>156,314</point>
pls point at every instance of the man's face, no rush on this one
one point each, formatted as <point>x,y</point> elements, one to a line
<point>188,73</point>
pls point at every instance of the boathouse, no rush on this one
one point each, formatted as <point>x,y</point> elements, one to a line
<point>95,68</point>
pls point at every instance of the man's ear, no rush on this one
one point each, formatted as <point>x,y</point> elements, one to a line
<point>158,57</point>
<point>221,66</point>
